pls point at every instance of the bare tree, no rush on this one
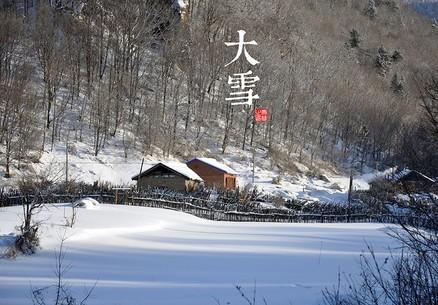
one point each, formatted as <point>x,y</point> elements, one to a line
<point>409,277</point>
<point>49,46</point>
<point>62,293</point>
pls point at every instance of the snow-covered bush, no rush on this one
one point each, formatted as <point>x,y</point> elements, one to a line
<point>28,240</point>
<point>335,186</point>
<point>86,203</point>
<point>276,180</point>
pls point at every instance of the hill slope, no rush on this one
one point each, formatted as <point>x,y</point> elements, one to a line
<point>132,79</point>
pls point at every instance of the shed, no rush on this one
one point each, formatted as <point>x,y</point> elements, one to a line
<point>171,175</point>
<point>408,175</point>
<point>413,180</point>
<point>214,173</point>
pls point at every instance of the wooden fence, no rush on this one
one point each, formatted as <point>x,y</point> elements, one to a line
<point>222,215</point>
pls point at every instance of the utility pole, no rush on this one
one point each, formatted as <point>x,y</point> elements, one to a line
<point>66,160</point>
<point>141,169</point>
<point>253,163</point>
<point>350,190</point>
<point>259,115</point>
<point>253,110</point>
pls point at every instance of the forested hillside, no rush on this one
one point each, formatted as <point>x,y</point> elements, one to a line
<point>346,82</point>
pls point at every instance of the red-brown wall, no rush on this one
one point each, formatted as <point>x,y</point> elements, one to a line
<point>212,176</point>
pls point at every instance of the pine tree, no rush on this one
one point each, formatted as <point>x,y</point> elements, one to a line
<point>396,56</point>
<point>383,61</point>
<point>371,11</point>
<point>397,84</point>
<point>354,39</point>
<point>392,4</point>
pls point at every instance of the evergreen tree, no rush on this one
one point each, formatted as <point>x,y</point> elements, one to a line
<point>392,4</point>
<point>396,56</point>
<point>371,10</point>
<point>397,84</point>
<point>354,39</point>
<point>383,61</point>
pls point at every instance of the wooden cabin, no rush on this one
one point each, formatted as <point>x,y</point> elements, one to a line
<point>413,181</point>
<point>171,175</point>
<point>214,173</point>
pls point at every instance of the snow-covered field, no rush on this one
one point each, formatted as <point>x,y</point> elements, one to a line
<point>141,255</point>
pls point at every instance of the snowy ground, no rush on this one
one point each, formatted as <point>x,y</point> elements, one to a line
<point>111,166</point>
<point>153,256</point>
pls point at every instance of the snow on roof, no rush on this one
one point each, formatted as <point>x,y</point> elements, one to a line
<point>406,172</point>
<point>216,164</point>
<point>179,4</point>
<point>401,174</point>
<point>175,166</point>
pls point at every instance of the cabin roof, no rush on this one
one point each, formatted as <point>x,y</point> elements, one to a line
<point>176,167</point>
<point>216,164</point>
<point>411,175</point>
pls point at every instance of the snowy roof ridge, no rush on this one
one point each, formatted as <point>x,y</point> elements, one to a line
<point>401,174</point>
<point>405,172</point>
<point>175,166</point>
<point>216,164</point>
<point>179,4</point>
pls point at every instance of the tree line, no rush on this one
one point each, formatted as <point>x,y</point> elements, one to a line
<point>137,71</point>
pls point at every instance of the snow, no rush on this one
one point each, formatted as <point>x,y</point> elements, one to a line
<point>220,166</point>
<point>112,167</point>
<point>183,169</point>
<point>109,166</point>
<point>405,172</point>
<point>179,4</point>
<point>139,255</point>
<point>86,203</point>
<point>178,167</point>
<point>426,197</point>
<point>401,174</point>
<point>297,185</point>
